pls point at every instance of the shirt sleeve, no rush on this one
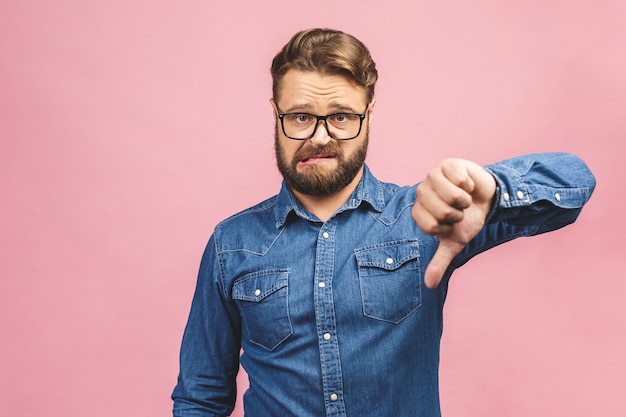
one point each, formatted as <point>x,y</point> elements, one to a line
<point>209,356</point>
<point>535,194</point>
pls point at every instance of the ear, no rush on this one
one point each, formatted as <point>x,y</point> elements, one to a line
<point>274,107</point>
<point>370,110</point>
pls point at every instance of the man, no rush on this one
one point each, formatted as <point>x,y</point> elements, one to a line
<point>334,288</point>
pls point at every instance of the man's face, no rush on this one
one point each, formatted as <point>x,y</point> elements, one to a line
<point>320,165</point>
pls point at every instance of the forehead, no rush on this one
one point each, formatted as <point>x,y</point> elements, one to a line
<point>315,91</point>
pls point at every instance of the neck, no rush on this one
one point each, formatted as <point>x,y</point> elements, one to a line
<point>324,206</point>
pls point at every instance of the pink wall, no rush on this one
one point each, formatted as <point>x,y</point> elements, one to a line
<point>129,128</point>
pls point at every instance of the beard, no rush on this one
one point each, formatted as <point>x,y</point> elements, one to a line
<point>319,180</point>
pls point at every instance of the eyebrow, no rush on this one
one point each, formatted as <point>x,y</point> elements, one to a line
<point>298,107</point>
<point>342,107</point>
<point>308,107</point>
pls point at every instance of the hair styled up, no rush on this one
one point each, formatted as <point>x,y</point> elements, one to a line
<point>328,52</point>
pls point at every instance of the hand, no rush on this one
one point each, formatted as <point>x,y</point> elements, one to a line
<point>452,203</point>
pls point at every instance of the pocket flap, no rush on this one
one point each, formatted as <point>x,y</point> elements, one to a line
<point>256,286</point>
<point>389,256</point>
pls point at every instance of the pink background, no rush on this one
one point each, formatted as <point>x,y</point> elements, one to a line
<point>128,129</point>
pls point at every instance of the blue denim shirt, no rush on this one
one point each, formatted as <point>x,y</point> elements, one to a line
<point>333,318</point>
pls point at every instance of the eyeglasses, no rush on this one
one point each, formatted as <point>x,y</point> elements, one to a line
<point>340,126</point>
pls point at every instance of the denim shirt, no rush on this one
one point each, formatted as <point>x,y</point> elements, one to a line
<point>333,318</point>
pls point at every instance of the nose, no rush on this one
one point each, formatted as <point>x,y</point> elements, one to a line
<point>320,136</point>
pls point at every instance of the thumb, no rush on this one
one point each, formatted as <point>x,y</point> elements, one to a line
<point>446,251</point>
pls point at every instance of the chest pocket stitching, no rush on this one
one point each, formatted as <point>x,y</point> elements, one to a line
<point>377,257</point>
<point>266,315</point>
<point>244,288</point>
<point>390,290</point>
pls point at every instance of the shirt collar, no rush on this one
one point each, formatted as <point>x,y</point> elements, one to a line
<point>369,190</point>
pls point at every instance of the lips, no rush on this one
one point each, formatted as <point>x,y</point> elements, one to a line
<point>309,158</point>
<point>310,155</point>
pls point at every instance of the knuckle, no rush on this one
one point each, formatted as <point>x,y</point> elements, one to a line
<point>450,163</point>
<point>429,226</point>
<point>420,192</point>
<point>459,199</point>
<point>450,215</point>
<point>432,229</point>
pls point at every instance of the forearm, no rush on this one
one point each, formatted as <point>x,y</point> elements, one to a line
<point>535,194</point>
<point>546,190</point>
<point>209,355</point>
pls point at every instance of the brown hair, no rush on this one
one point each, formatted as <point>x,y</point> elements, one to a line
<point>328,52</point>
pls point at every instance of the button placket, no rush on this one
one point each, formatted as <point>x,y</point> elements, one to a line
<point>326,320</point>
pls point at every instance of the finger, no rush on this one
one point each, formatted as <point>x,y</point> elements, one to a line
<point>485,183</point>
<point>446,251</point>
<point>457,172</point>
<point>440,211</point>
<point>428,222</point>
<point>450,186</point>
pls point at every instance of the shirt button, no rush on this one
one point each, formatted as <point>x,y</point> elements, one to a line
<point>321,284</point>
<point>389,261</point>
<point>333,397</point>
<point>257,292</point>
<point>506,196</point>
<point>520,195</point>
<point>326,336</point>
<point>325,235</point>
<point>557,196</point>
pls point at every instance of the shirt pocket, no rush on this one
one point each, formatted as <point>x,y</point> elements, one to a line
<point>390,280</point>
<point>263,301</point>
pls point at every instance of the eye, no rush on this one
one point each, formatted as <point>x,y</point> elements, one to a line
<point>342,118</point>
<point>300,118</point>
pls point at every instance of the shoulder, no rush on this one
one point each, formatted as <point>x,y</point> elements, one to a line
<point>261,209</point>
<point>246,226</point>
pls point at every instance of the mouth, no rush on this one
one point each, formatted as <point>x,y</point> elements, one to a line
<point>314,159</point>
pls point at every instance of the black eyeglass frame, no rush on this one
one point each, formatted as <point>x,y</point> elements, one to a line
<point>317,122</point>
